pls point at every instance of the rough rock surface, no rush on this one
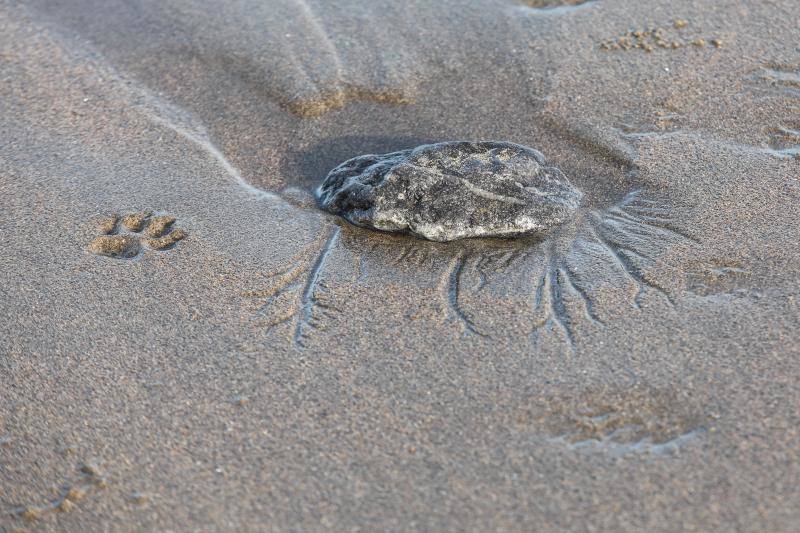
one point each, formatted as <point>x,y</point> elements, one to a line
<point>452,190</point>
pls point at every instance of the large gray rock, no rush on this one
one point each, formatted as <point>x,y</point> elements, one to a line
<point>452,190</point>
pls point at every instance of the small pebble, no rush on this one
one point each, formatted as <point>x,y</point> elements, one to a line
<point>31,513</point>
<point>717,43</point>
<point>699,42</point>
<point>75,494</point>
<point>65,505</point>
<point>680,23</point>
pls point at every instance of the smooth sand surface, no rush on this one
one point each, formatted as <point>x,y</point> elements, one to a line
<point>278,369</point>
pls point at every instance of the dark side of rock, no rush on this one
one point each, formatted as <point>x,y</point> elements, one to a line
<point>452,190</point>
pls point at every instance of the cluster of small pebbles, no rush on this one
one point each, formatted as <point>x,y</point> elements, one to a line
<point>92,479</point>
<point>649,39</point>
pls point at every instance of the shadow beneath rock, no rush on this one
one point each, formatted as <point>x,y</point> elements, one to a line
<point>307,167</point>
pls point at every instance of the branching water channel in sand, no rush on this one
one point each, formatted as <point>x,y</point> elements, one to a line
<point>622,244</point>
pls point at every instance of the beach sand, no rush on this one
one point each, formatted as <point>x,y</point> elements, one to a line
<point>258,364</point>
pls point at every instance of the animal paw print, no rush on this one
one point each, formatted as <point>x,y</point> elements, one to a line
<point>158,234</point>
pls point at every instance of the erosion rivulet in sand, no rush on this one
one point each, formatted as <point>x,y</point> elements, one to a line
<point>452,190</point>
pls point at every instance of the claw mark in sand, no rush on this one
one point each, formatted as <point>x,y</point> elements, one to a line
<point>296,293</point>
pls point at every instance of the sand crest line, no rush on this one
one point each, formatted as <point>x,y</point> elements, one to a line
<point>213,151</point>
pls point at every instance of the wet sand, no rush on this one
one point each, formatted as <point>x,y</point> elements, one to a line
<point>259,364</point>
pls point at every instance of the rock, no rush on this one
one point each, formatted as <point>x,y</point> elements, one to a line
<point>452,190</point>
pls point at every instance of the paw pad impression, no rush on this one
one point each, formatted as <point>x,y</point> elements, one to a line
<point>122,238</point>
